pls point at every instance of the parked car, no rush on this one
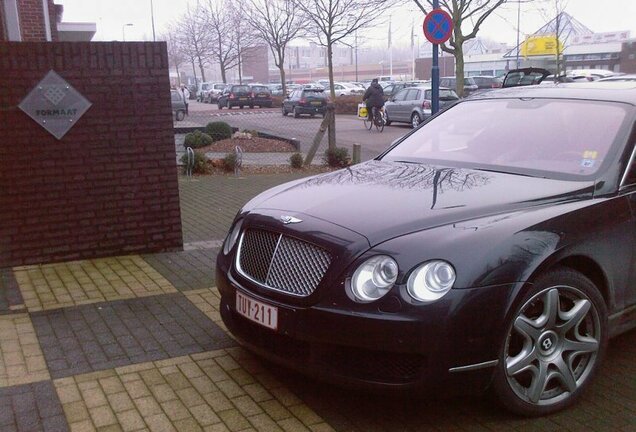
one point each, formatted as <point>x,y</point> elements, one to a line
<point>489,254</point>
<point>261,96</point>
<point>203,88</point>
<point>305,101</point>
<point>347,89</point>
<point>178,105</point>
<point>525,77</point>
<point>213,92</point>
<point>623,77</point>
<point>392,89</point>
<point>470,85</point>
<point>412,105</point>
<point>591,74</point>
<point>235,95</point>
<point>487,82</point>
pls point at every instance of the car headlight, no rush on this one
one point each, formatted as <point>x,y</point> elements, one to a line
<point>374,278</point>
<point>231,238</point>
<point>431,281</point>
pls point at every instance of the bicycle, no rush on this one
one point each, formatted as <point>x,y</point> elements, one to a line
<point>379,120</point>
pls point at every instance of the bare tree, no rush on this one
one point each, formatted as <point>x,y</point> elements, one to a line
<point>276,22</point>
<point>334,21</point>
<point>560,28</point>
<point>219,20</point>
<point>175,52</point>
<point>463,13</point>
<point>242,33</point>
<point>194,38</point>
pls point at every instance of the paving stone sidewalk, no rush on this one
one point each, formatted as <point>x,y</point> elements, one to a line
<point>136,343</point>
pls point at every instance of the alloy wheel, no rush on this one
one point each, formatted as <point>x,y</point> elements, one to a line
<point>415,120</point>
<point>553,345</point>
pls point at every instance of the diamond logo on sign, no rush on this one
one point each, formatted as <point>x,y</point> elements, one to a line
<point>55,105</point>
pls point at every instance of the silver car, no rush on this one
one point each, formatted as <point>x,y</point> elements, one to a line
<point>413,104</point>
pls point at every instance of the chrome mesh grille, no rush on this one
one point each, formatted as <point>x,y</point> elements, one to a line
<point>282,263</point>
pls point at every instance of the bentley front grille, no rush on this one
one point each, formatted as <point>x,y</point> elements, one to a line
<point>281,263</point>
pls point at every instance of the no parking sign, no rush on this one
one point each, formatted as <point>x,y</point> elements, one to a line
<point>438,26</point>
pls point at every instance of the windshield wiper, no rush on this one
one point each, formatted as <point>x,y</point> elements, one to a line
<point>505,172</point>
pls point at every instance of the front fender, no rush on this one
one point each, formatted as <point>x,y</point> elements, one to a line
<point>514,247</point>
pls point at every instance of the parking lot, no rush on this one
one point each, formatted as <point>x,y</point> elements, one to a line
<point>349,129</point>
<point>135,343</point>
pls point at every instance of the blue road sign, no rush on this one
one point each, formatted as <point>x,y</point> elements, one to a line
<point>438,26</point>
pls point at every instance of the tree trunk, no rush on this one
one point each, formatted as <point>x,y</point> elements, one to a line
<point>240,71</point>
<point>201,68</point>
<point>459,69</point>
<point>178,74</point>
<point>194,69</point>
<point>331,113</point>
<point>222,67</point>
<point>332,89</point>
<point>281,68</point>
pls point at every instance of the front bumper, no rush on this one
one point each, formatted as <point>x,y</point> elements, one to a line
<point>387,345</point>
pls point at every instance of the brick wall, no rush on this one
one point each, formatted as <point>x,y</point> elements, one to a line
<point>31,20</point>
<point>32,23</point>
<point>110,185</point>
<point>3,31</point>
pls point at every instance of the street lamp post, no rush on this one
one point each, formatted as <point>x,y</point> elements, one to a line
<point>152,19</point>
<point>123,30</point>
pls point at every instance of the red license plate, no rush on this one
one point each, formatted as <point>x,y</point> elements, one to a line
<point>257,311</point>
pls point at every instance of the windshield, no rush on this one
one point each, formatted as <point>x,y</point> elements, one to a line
<point>557,138</point>
<point>205,86</point>
<point>259,89</point>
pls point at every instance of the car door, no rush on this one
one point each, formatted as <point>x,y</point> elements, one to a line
<point>397,108</point>
<point>293,100</point>
<point>411,102</point>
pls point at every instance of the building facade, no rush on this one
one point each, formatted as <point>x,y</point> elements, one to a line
<point>39,21</point>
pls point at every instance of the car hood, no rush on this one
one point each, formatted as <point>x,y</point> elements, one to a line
<point>382,200</point>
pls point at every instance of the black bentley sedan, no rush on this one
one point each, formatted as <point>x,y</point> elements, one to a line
<point>493,247</point>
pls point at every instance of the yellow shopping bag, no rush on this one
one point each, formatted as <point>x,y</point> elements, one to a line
<point>362,111</point>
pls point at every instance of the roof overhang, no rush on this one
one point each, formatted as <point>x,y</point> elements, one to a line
<point>76,31</point>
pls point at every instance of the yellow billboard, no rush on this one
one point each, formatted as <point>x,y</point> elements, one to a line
<point>540,46</point>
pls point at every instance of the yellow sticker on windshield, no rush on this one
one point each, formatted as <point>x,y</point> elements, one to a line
<point>590,154</point>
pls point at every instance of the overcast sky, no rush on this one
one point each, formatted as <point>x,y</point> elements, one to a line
<point>111,15</point>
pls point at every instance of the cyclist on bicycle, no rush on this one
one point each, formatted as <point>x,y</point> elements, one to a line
<point>374,98</point>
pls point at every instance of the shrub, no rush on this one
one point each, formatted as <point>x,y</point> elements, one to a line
<point>219,130</point>
<point>296,160</point>
<point>337,157</point>
<point>347,104</point>
<point>197,139</point>
<point>200,163</point>
<point>229,162</point>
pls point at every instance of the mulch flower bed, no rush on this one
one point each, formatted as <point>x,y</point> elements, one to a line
<point>251,145</point>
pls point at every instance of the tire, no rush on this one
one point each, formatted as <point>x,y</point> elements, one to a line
<point>379,121</point>
<point>240,106</point>
<point>219,106</point>
<point>554,343</point>
<point>415,120</point>
<point>296,112</point>
<point>283,110</point>
<point>180,115</point>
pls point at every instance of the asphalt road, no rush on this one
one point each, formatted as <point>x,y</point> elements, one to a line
<point>349,129</point>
